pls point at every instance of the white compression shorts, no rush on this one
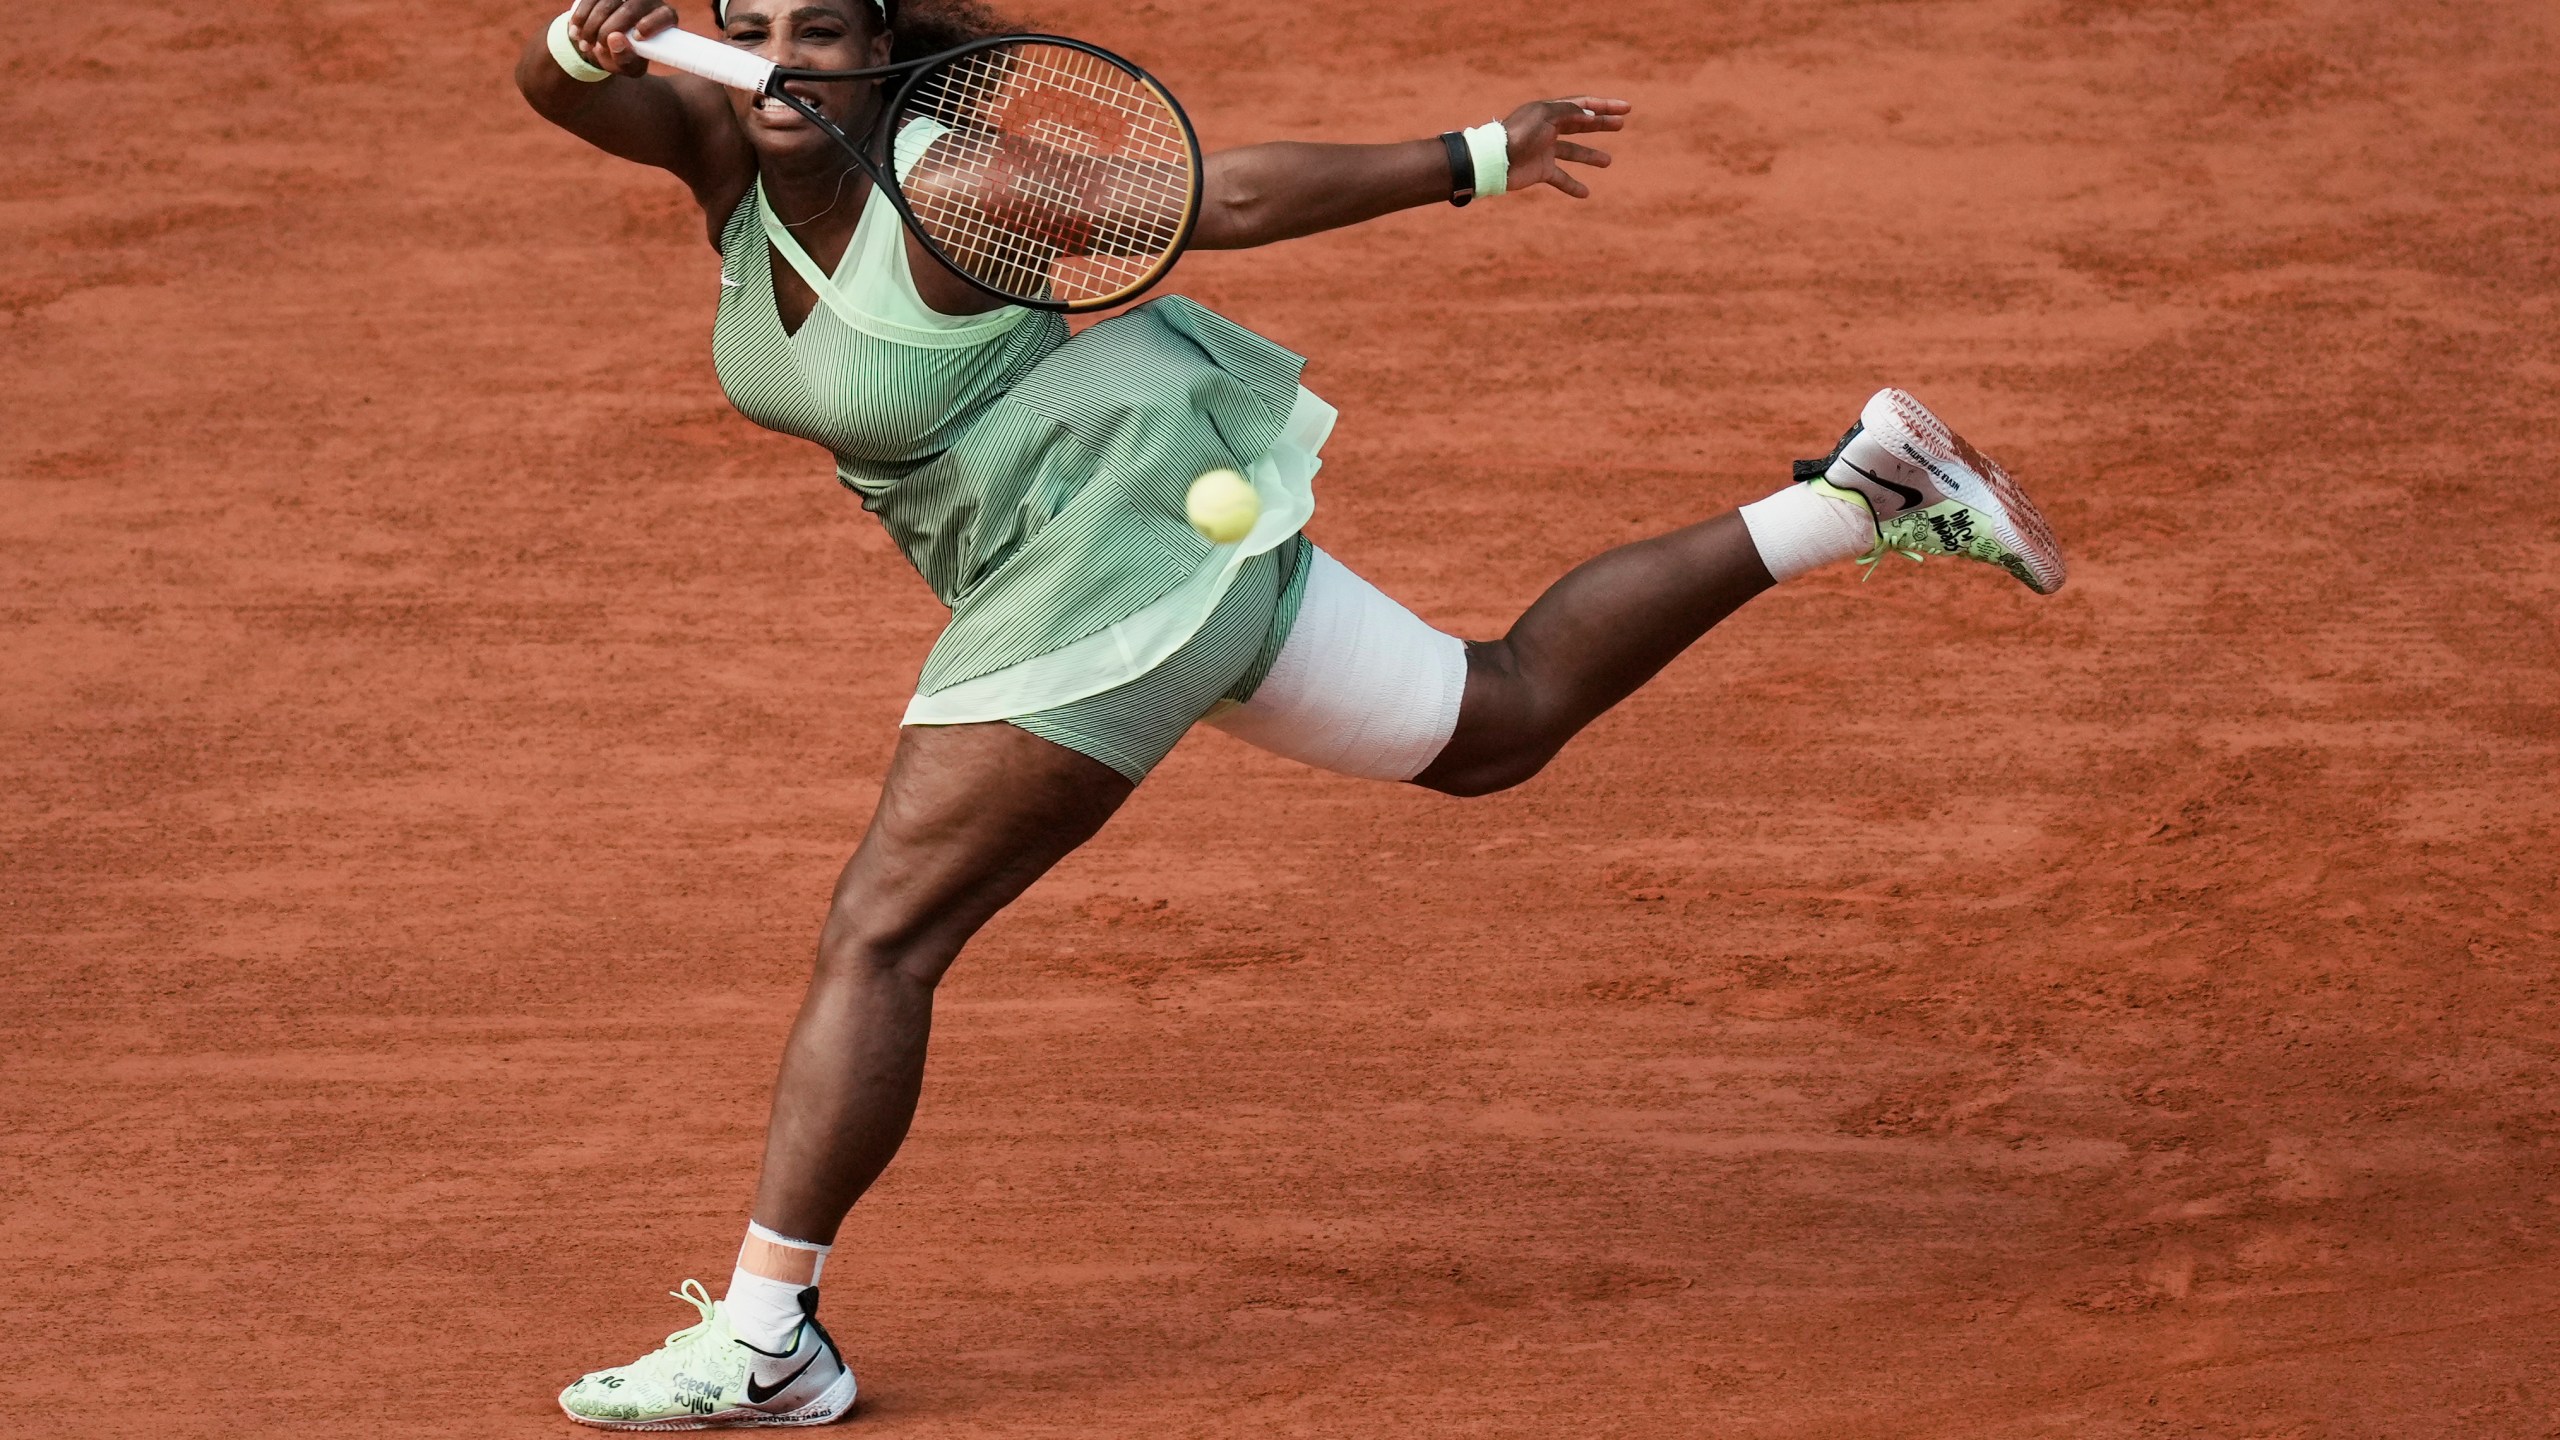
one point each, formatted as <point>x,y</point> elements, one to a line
<point>1361,687</point>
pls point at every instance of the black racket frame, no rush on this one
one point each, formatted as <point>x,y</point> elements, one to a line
<point>884,174</point>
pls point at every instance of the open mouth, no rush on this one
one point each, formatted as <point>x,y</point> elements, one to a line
<point>775,111</point>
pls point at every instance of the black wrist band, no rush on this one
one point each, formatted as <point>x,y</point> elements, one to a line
<point>1462,168</point>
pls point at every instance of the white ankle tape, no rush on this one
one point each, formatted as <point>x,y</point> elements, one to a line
<point>1800,529</point>
<point>817,1253</point>
<point>772,1237</point>
<point>763,1311</point>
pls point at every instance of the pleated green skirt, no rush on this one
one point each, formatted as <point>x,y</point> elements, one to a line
<point>1132,727</point>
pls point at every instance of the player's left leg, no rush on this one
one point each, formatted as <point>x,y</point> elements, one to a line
<point>1608,626</point>
<point>1899,480</point>
<point>1364,687</point>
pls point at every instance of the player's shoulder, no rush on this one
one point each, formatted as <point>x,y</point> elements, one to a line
<point>723,165</point>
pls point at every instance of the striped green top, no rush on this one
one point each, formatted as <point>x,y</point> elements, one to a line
<point>1034,481</point>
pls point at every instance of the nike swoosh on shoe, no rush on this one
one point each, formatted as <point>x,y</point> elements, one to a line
<point>759,1394</point>
<point>1910,497</point>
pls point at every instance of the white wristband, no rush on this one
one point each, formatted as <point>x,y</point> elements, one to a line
<point>1489,145</point>
<point>575,63</point>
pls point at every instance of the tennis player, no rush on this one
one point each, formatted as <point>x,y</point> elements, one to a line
<point>1025,474</point>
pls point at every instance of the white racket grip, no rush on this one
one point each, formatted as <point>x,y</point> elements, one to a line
<point>710,59</point>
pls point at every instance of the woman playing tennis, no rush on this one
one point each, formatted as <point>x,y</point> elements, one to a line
<point>1035,481</point>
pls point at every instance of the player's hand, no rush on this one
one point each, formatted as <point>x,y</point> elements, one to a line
<point>1539,151</point>
<point>602,31</point>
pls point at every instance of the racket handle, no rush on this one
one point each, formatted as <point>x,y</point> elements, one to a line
<point>710,59</point>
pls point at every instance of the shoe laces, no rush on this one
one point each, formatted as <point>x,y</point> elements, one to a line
<point>684,1340</point>
<point>1887,546</point>
<point>692,1293</point>
<point>665,1364</point>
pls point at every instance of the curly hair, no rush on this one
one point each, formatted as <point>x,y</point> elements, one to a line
<point>927,27</point>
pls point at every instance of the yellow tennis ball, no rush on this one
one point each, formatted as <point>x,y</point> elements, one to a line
<point>1222,506</point>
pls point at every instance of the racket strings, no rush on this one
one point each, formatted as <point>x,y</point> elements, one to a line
<point>1059,175</point>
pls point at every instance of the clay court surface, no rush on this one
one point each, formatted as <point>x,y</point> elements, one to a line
<point>432,723</point>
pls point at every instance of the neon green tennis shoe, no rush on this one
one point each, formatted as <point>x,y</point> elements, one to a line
<point>1933,494</point>
<point>705,1377</point>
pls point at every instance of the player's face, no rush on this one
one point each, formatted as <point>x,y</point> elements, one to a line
<point>808,35</point>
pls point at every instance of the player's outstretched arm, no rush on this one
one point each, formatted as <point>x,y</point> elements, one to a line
<point>1260,194</point>
<point>676,123</point>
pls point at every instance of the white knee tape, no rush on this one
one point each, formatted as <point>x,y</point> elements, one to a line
<point>1362,687</point>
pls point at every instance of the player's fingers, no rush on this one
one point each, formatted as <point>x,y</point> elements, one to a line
<point>1583,155</point>
<point>1601,105</point>
<point>620,19</point>
<point>1569,185</point>
<point>612,17</point>
<point>599,45</point>
<point>1577,123</point>
<point>588,24</point>
<point>655,21</point>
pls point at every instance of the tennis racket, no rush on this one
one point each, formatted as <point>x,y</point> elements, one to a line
<point>1056,174</point>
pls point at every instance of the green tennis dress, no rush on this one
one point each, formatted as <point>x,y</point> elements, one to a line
<point>1036,481</point>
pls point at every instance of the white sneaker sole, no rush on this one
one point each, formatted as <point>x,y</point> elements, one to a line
<point>833,1404</point>
<point>1972,479</point>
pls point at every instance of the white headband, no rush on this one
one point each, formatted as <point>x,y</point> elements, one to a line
<point>720,11</point>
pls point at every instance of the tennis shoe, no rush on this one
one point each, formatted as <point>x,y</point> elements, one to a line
<point>705,1377</point>
<point>1933,494</point>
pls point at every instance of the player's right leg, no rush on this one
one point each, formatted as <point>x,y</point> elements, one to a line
<point>969,817</point>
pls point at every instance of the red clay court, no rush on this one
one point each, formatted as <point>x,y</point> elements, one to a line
<point>433,721</point>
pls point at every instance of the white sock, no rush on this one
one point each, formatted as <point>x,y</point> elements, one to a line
<point>763,1302</point>
<point>1801,528</point>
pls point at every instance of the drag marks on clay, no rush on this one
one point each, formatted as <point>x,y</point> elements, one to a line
<point>1924,1012</point>
<point>2279,79</point>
